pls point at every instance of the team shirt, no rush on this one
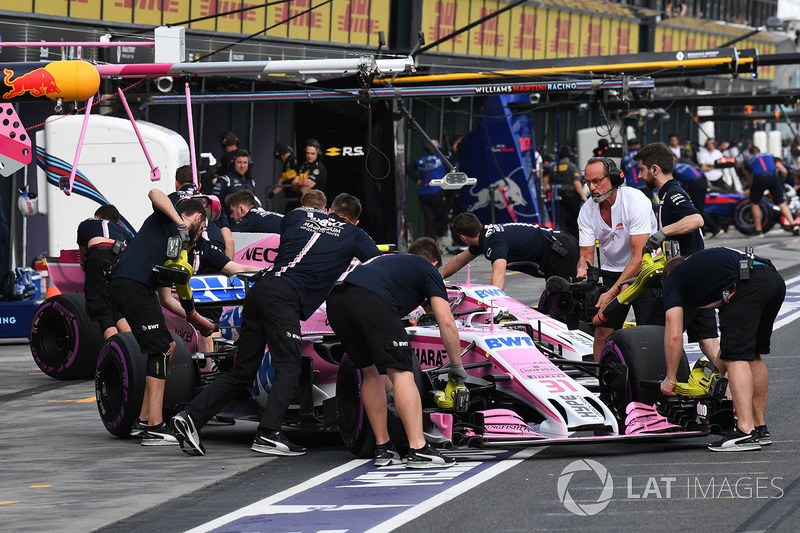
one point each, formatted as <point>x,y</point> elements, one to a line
<point>760,164</point>
<point>316,248</point>
<point>631,214</point>
<point>148,248</point>
<point>673,205</point>
<point>565,174</point>
<point>684,172</point>
<point>316,172</point>
<point>98,227</point>
<point>630,168</point>
<point>700,279</point>
<point>230,183</point>
<point>514,242</point>
<point>259,220</point>
<point>430,167</point>
<point>405,280</point>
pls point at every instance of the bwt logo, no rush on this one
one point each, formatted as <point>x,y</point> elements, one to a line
<point>509,342</point>
<point>345,151</point>
<point>585,509</point>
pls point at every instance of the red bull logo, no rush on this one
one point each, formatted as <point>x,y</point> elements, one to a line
<point>70,80</point>
<point>37,82</point>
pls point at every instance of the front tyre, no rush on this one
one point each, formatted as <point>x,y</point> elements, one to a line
<point>641,349</point>
<point>120,381</point>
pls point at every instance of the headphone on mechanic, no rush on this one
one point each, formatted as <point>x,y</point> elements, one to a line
<point>241,152</point>
<point>614,173</point>
<point>228,139</point>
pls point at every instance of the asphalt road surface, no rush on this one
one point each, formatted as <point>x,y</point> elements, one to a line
<point>60,469</point>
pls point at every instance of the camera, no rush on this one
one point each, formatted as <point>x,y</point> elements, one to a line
<point>573,302</point>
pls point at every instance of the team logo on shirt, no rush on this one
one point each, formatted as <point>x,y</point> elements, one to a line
<point>328,226</point>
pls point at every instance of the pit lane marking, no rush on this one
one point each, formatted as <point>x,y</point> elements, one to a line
<point>85,400</point>
<point>391,496</point>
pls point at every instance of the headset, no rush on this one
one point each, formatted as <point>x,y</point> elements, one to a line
<point>228,139</point>
<point>614,173</point>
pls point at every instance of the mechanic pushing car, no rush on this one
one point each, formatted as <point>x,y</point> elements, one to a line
<point>133,291</point>
<point>101,240</point>
<point>365,312</point>
<point>533,250</point>
<point>621,220</point>
<point>748,291</point>
<point>316,248</point>
<point>763,173</point>
<point>678,220</point>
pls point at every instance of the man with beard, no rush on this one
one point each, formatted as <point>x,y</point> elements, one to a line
<point>133,292</point>
<point>678,220</point>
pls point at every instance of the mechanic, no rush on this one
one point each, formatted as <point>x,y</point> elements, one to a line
<point>764,172</point>
<point>101,240</point>
<point>678,220</point>
<point>316,248</point>
<point>748,292</point>
<point>696,185</point>
<point>533,250</point>
<point>229,143</point>
<point>432,199</point>
<point>631,170</point>
<point>310,175</point>
<point>133,291</point>
<point>315,199</point>
<point>621,220</point>
<point>248,217</point>
<point>567,177</point>
<point>365,312</point>
<point>706,157</point>
<point>237,179</point>
<point>218,230</point>
<point>283,189</point>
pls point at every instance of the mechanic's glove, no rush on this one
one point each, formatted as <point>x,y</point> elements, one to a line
<point>655,241</point>
<point>203,325</point>
<point>457,374</point>
<point>183,233</point>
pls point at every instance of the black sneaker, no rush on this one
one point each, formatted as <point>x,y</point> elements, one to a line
<point>757,235</point>
<point>763,434</point>
<point>276,443</point>
<point>138,427</point>
<point>735,440</point>
<point>160,435</point>
<point>188,436</point>
<point>427,457</point>
<point>795,230</point>
<point>385,455</point>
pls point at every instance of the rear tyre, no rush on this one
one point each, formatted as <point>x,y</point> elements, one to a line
<point>64,342</point>
<point>120,380</point>
<point>743,217</point>
<point>641,349</point>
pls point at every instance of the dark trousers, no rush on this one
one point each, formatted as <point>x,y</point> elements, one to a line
<point>434,214</point>
<point>271,315</point>
<point>570,207</point>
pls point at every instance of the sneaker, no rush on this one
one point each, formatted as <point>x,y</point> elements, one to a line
<point>276,443</point>
<point>713,234</point>
<point>735,440</point>
<point>386,455</point>
<point>221,421</point>
<point>757,235</point>
<point>427,457</point>
<point>795,230</point>
<point>160,435</point>
<point>763,433</point>
<point>138,427</point>
<point>188,436</point>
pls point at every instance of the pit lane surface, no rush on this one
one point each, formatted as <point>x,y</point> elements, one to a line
<point>59,469</point>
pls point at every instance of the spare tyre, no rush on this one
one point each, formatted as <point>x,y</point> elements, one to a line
<point>64,342</point>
